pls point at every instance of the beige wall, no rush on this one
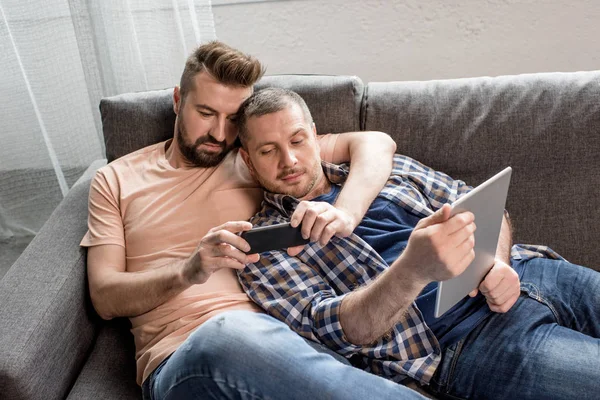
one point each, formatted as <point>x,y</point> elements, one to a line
<point>414,40</point>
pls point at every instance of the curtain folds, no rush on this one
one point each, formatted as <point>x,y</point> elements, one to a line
<point>59,58</point>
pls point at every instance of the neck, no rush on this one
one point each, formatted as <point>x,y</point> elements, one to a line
<point>322,186</point>
<point>172,154</point>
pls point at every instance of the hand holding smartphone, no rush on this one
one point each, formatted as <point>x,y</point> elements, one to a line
<point>273,237</point>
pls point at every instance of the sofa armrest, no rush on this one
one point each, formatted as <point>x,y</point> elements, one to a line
<point>48,324</point>
<point>90,171</point>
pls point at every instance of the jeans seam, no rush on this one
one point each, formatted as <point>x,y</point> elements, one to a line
<point>154,375</point>
<point>443,384</point>
<point>450,376</point>
<point>205,376</point>
<point>445,388</point>
<point>539,298</point>
<point>452,397</point>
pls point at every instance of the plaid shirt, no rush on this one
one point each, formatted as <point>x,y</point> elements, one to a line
<point>306,291</point>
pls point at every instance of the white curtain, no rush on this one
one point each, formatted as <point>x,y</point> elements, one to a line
<point>58,58</point>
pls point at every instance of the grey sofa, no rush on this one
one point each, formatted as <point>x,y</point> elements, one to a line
<point>546,126</point>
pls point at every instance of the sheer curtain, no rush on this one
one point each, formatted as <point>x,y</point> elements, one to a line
<point>59,58</point>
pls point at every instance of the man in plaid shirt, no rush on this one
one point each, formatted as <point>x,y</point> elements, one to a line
<point>369,294</point>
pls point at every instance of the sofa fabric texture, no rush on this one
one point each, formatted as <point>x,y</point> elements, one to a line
<point>546,126</point>
<point>48,324</point>
<point>109,372</point>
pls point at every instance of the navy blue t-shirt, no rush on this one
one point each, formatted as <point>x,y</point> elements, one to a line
<point>386,227</point>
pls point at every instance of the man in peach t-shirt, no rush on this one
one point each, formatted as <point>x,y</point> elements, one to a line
<point>163,248</point>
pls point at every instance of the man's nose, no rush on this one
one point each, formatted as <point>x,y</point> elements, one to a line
<point>218,131</point>
<point>288,158</point>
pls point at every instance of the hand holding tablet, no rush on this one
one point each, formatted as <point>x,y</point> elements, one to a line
<point>486,202</point>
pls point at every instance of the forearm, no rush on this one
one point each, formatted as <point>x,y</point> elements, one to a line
<point>129,294</point>
<point>370,312</point>
<point>505,241</point>
<point>371,156</point>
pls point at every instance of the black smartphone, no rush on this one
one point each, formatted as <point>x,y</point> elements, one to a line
<point>273,237</point>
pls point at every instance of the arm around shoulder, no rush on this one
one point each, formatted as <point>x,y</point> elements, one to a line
<point>371,158</point>
<point>344,147</point>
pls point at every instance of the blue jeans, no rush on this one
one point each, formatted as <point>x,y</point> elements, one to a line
<point>546,347</point>
<point>244,355</point>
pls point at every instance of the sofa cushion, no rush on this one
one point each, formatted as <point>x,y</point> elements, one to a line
<point>132,121</point>
<point>334,101</point>
<point>546,126</point>
<point>109,372</point>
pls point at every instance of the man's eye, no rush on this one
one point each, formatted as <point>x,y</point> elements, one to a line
<point>205,114</point>
<point>265,152</point>
<point>297,141</point>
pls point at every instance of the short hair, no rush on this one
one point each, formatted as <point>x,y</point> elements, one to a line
<point>267,101</point>
<point>227,65</point>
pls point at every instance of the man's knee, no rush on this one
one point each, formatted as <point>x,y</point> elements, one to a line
<point>218,356</point>
<point>230,337</point>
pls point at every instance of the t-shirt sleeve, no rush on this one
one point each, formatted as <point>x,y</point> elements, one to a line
<point>105,225</point>
<point>328,148</point>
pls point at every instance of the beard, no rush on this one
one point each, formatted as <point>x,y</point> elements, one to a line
<point>195,156</point>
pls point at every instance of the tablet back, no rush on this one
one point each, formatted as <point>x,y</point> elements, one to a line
<point>487,203</point>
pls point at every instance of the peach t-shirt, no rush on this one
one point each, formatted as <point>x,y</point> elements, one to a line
<point>159,214</point>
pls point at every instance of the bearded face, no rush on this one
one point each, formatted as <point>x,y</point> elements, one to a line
<point>205,152</point>
<point>204,129</point>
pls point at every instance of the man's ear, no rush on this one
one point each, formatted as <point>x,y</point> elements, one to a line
<point>314,131</point>
<point>246,158</point>
<point>176,99</point>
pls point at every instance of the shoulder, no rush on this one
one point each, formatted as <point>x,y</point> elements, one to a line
<point>144,155</point>
<point>121,171</point>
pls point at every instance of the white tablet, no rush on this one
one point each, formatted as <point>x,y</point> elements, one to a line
<point>487,203</point>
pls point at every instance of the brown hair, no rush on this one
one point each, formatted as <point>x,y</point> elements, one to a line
<point>227,65</point>
<point>268,101</point>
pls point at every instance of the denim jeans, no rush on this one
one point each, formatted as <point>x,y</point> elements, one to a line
<point>244,355</point>
<point>546,347</point>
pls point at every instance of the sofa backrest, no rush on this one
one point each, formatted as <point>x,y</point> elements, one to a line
<point>135,120</point>
<point>546,126</point>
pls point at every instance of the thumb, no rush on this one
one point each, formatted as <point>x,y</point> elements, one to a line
<point>294,251</point>
<point>437,217</point>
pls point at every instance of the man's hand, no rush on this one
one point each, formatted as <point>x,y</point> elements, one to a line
<point>219,248</point>
<point>501,287</point>
<point>320,222</point>
<point>440,247</point>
